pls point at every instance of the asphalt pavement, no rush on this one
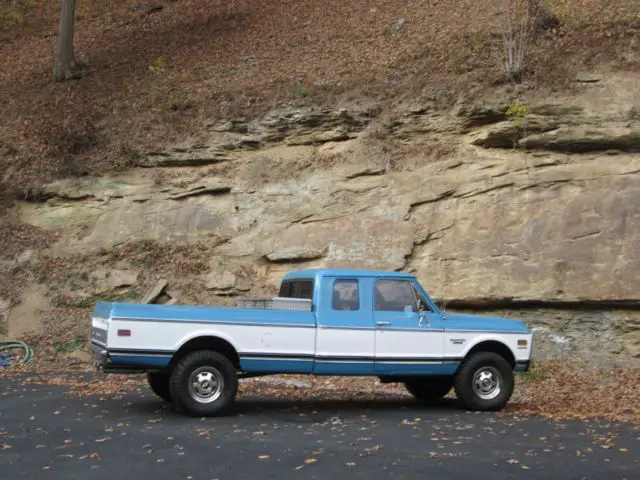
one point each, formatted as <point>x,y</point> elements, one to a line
<point>47,434</point>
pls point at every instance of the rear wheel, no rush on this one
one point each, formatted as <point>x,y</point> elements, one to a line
<point>429,389</point>
<point>203,383</point>
<point>159,383</point>
<point>484,382</point>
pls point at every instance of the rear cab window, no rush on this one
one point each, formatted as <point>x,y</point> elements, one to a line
<point>302,288</point>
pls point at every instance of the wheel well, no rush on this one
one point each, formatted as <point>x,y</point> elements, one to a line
<point>207,343</point>
<point>495,347</point>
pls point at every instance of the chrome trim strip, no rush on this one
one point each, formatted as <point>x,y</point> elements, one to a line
<point>215,322</point>
<point>295,325</point>
<point>139,354</point>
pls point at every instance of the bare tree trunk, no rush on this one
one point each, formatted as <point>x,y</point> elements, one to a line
<point>66,67</point>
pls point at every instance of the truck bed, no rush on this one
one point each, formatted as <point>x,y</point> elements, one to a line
<point>148,335</point>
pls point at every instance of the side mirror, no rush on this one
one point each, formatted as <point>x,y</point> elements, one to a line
<point>443,306</point>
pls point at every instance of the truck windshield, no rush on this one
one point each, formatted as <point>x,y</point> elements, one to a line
<point>297,289</point>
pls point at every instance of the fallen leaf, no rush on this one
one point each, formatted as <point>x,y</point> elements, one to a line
<point>263,457</point>
<point>311,460</point>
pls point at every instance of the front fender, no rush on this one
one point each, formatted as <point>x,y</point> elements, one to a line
<point>459,345</point>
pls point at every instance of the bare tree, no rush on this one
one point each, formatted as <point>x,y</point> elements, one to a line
<point>66,66</point>
<point>517,30</point>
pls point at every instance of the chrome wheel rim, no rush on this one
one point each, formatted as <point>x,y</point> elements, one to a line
<point>205,384</point>
<point>487,383</point>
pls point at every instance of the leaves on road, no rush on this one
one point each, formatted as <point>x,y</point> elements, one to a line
<point>561,390</point>
<point>557,389</point>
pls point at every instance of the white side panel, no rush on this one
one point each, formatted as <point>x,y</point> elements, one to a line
<point>169,336</point>
<point>458,344</point>
<point>408,343</point>
<point>332,342</point>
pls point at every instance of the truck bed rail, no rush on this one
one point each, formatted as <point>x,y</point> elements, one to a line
<point>275,303</point>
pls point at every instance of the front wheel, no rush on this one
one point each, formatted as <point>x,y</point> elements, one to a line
<point>203,383</point>
<point>484,382</point>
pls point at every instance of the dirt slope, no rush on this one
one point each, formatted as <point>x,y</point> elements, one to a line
<point>155,77</point>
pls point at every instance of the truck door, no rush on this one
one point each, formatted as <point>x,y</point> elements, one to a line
<point>409,337</point>
<point>345,334</point>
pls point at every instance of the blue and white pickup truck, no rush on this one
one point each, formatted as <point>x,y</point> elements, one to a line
<point>323,322</point>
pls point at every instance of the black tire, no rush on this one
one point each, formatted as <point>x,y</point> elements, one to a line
<point>159,383</point>
<point>490,364</point>
<point>194,401</point>
<point>429,389</point>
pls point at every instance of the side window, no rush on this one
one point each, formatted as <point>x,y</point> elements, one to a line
<point>297,289</point>
<point>346,294</point>
<point>394,296</point>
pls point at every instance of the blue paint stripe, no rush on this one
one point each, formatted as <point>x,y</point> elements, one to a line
<point>217,322</point>
<point>448,368</point>
<point>206,314</point>
<point>346,368</point>
<point>343,368</point>
<point>288,318</point>
<point>141,360</point>
<point>276,365</point>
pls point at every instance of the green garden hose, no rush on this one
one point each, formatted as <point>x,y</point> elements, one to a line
<point>6,358</point>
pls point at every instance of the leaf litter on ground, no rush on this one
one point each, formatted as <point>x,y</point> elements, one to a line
<point>557,389</point>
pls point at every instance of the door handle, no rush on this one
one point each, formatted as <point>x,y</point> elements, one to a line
<point>383,323</point>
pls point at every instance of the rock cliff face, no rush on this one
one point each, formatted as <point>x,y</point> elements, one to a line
<point>535,215</point>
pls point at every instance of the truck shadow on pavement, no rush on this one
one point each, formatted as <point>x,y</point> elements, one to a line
<point>313,411</point>
<point>322,410</point>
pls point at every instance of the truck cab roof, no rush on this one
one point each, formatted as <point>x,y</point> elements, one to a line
<point>313,273</point>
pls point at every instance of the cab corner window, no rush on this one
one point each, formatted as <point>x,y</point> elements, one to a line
<point>394,296</point>
<point>346,295</point>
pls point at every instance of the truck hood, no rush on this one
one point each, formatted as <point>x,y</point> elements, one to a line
<point>463,321</point>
